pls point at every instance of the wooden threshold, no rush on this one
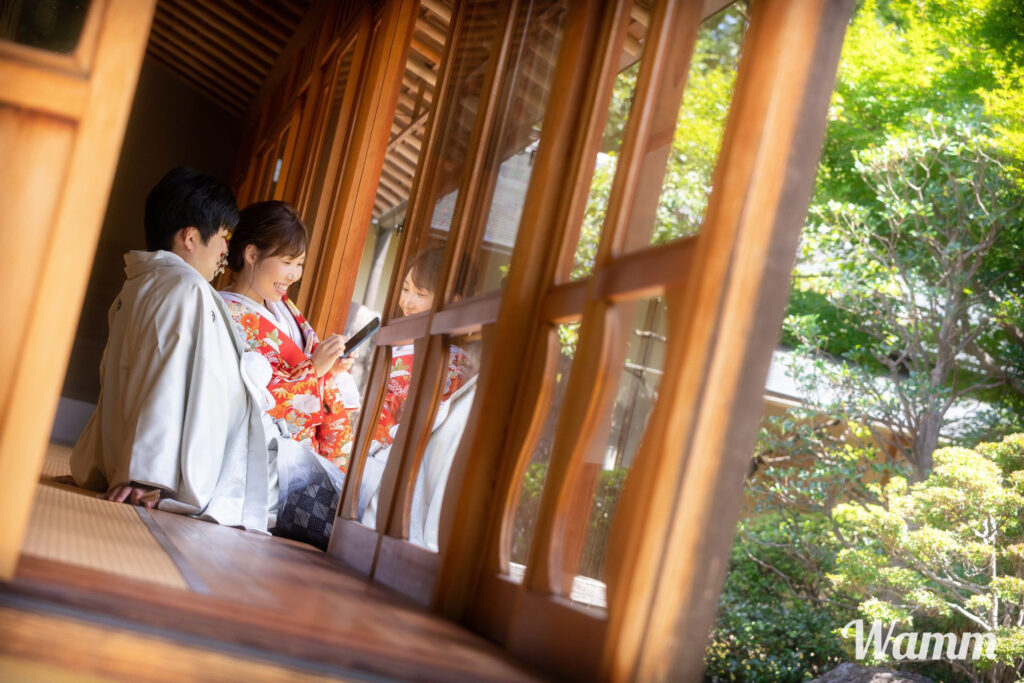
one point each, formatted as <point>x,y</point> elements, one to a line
<point>270,598</point>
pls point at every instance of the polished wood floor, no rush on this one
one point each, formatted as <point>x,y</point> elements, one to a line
<point>278,604</point>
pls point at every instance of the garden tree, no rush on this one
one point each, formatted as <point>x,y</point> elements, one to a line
<point>946,554</point>
<point>927,272</point>
<point>902,57</point>
<point>912,72</point>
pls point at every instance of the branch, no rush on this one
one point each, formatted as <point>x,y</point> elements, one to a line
<point>989,364</point>
<point>1014,332</point>
<point>977,620</point>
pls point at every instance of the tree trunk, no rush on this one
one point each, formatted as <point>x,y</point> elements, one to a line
<point>925,443</point>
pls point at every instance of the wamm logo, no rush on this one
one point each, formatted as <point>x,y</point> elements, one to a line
<point>919,646</point>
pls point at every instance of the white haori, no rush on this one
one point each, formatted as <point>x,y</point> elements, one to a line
<point>174,411</point>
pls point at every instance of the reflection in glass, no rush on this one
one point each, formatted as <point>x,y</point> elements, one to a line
<point>332,96</point>
<point>470,54</point>
<point>537,470</point>
<point>462,367</point>
<point>634,400</point>
<point>700,126</point>
<point>396,390</point>
<point>686,182</point>
<point>526,86</point>
<point>450,418</point>
<point>53,25</point>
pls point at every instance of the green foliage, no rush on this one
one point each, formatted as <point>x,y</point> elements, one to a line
<point>695,143</point>
<point>909,297</point>
<point>775,622</point>
<point>606,496</point>
<point>945,554</point>
<point>922,282</point>
<point>903,57</point>
<point>812,316</point>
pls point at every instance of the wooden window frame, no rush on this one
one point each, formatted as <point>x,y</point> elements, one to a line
<point>723,288</point>
<point>383,552</point>
<point>533,619</point>
<point>60,171</point>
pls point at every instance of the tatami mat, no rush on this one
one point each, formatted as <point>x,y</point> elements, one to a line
<point>74,527</point>
<point>57,463</point>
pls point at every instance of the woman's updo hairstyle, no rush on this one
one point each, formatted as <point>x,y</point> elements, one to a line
<point>272,227</point>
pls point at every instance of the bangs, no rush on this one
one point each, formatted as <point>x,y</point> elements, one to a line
<point>291,240</point>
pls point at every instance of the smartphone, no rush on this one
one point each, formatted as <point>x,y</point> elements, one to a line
<point>356,340</point>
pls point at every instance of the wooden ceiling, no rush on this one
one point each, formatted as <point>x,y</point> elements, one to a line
<point>223,48</point>
<point>537,58</point>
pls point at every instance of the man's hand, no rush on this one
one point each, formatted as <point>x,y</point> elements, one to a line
<point>134,494</point>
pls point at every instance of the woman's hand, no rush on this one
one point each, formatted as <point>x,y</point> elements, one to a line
<point>343,364</point>
<point>327,353</point>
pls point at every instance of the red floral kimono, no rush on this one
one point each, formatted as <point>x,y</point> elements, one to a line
<point>312,407</point>
<point>461,368</point>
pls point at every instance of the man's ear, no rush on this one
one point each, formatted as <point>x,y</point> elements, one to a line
<point>190,237</point>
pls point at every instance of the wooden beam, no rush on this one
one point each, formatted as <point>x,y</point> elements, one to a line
<point>244,27</point>
<point>429,29</point>
<point>422,70</point>
<point>422,48</point>
<point>165,47</point>
<point>409,154</point>
<point>642,15</point>
<point>255,15</point>
<point>50,91</point>
<point>187,15</point>
<point>399,162</point>
<point>219,60</point>
<point>409,132</point>
<point>438,8</point>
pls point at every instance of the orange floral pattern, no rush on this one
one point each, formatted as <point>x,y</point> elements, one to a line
<point>311,406</point>
<point>461,368</point>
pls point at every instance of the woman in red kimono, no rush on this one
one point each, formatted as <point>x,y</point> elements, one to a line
<point>309,383</point>
<point>417,296</point>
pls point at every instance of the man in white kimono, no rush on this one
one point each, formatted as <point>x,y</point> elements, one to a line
<point>175,426</point>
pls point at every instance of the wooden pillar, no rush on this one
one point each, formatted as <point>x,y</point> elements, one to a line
<point>62,121</point>
<point>361,169</point>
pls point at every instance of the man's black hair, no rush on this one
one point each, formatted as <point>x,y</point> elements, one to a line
<point>184,197</point>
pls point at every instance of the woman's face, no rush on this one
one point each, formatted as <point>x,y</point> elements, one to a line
<point>272,276</point>
<point>413,299</point>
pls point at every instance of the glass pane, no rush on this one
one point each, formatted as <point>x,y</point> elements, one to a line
<point>608,156</point>
<point>390,204</point>
<point>332,96</point>
<point>470,54</point>
<point>53,25</point>
<point>526,86</point>
<point>277,165</point>
<point>634,401</point>
<point>686,183</point>
<point>450,416</point>
<point>399,368</point>
<point>537,470</point>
